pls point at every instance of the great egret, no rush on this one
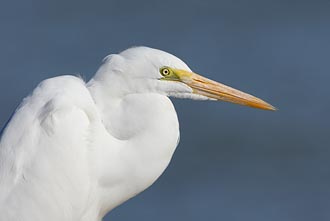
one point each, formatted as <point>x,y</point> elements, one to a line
<point>74,150</point>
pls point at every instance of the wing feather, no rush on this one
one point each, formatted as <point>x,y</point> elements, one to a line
<point>53,121</point>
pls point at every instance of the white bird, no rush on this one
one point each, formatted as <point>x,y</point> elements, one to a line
<point>73,151</point>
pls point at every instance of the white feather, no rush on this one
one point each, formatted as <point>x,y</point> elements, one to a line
<point>74,151</point>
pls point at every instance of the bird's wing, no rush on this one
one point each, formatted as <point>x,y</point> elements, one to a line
<point>48,131</point>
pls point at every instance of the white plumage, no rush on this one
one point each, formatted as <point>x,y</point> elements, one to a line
<point>74,150</point>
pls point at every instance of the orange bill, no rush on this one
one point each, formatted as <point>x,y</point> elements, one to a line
<point>218,91</point>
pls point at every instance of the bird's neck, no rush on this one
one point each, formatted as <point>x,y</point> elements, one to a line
<point>146,129</point>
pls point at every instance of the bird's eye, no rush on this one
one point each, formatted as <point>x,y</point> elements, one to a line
<point>165,71</point>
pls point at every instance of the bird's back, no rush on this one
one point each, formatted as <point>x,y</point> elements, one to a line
<point>42,153</point>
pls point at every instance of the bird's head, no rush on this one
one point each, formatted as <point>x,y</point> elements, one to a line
<point>148,70</point>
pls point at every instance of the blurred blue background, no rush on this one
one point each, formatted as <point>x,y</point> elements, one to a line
<point>233,162</point>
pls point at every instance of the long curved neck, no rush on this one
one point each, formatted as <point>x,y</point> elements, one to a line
<point>146,128</point>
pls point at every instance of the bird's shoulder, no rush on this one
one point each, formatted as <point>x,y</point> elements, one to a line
<point>55,114</point>
<point>47,131</point>
<point>53,100</point>
<point>62,98</point>
<point>62,91</point>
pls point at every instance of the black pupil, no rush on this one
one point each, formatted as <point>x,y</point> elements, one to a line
<point>165,71</point>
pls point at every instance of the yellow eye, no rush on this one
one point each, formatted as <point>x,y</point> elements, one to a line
<point>165,71</point>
